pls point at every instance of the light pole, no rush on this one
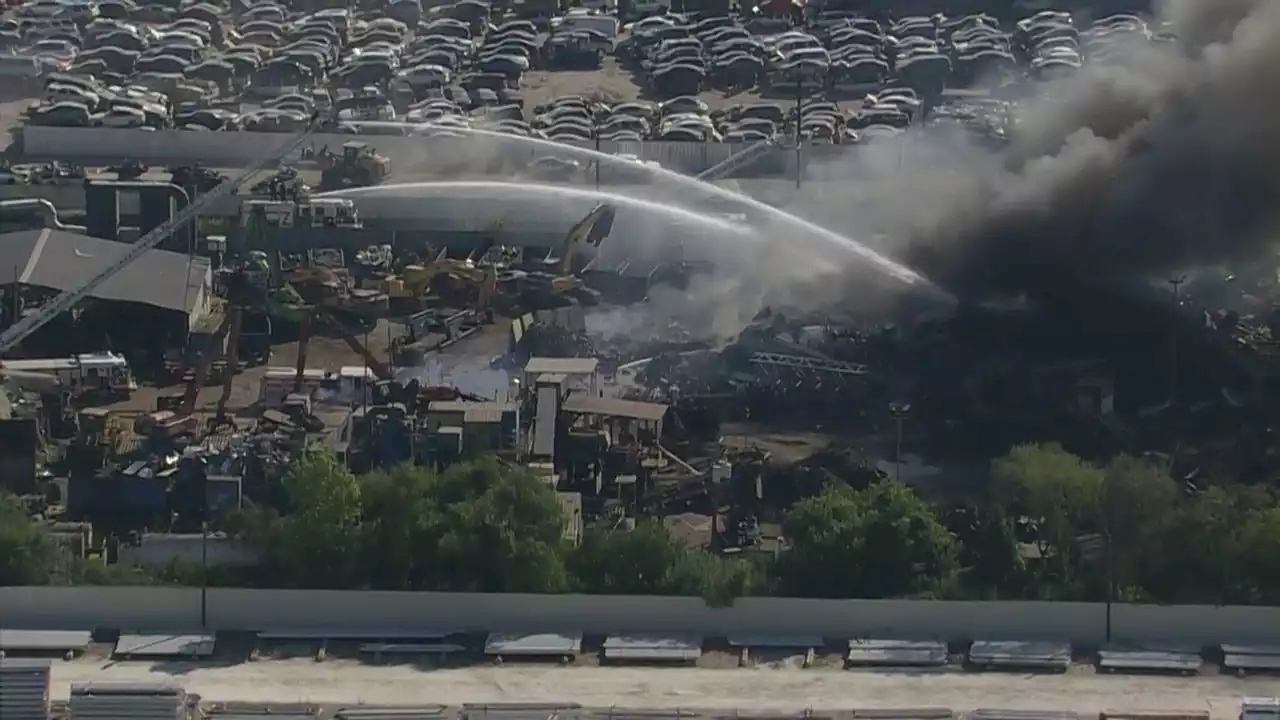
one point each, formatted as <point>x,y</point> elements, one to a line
<point>898,410</point>
<point>1176,284</point>
<point>1108,548</point>
<point>798,118</point>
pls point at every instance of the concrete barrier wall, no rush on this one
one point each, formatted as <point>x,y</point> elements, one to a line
<point>218,149</point>
<point>86,608</point>
<point>281,610</point>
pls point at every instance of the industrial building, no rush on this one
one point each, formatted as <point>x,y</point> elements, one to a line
<point>153,302</point>
<point>59,260</point>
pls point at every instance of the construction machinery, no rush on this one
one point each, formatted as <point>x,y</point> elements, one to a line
<point>358,166</point>
<point>228,332</point>
<point>557,280</point>
<point>469,282</point>
<point>316,315</point>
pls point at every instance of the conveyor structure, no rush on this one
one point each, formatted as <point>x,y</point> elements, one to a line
<point>801,362</point>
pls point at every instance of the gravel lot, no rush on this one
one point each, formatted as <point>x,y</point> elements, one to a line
<point>781,687</point>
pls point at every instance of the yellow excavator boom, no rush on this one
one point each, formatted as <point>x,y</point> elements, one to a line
<point>591,229</point>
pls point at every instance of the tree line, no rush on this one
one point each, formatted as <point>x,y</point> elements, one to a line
<point>1049,525</point>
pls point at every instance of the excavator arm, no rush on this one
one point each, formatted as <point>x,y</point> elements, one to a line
<point>591,229</point>
<point>233,357</point>
<point>304,339</point>
<point>380,370</point>
<point>201,374</point>
<point>318,314</point>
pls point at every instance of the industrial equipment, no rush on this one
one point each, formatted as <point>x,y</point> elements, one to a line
<point>305,330</point>
<point>19,331</point>
<point>201,373</point>
<point>469,282</point>
<point>558,282</point>
<point>232,357</point>
<point>358,166</point>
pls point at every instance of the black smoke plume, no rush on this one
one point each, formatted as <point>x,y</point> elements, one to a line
<point>1117,174</point>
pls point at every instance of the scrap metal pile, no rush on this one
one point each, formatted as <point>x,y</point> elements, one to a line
<point>1153,370</point>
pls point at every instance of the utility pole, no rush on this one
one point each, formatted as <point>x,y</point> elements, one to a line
<point>1176,284</point>
<point>204,542</point>
<point>799,97</point>
<point>898,410</point>
<point>597,162</point>
<point>1108,549</point>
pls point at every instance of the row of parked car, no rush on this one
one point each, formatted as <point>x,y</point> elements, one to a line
<point>353,66</point>
<point>579,119</point>
<point>843,52</point>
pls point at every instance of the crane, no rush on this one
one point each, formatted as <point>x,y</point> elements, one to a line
<point>192,392</point>
<point>305,328</point>
<point>233,357</point>
<point>19,331</point>
<point>592,229</point>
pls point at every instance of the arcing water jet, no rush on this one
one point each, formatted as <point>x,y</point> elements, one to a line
<point>784,225</point>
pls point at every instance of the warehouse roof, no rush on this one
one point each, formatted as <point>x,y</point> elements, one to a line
<point>61,260</point>
<point>582,403</point>
<point>472,412</point>
<point>561,366</point>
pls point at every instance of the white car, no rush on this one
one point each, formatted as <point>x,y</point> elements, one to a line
<point>13,176</point>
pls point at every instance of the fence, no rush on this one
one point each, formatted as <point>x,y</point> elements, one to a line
<point>220,149</point>
<point>179,609</point>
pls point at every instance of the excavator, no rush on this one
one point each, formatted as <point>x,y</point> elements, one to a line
<point>379,369</point>
<point>358,166</point>
<point>468,282</point>
<point>318,284</point>
<point>182,418</point>
<point>558,282</point>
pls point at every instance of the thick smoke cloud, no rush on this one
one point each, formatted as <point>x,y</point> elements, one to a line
<point>1170,161</point>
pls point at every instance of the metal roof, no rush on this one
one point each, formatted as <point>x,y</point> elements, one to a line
<point>44,640</point>
<point>567,366</point>
<point>61,260</point>
<point>532,644</point>
<point>472,412</point>
<point>583,403</point>
<point>157,645</point>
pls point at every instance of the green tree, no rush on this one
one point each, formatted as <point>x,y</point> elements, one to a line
<point>647,560</point>
<point>1059,492</point>
<point>402,528</point>
<point>476,527</point>
<point>504,530</point>
<point>28,553</point>
<point>1260,554</point>
<point>618,561</point>
<point>883,541</point>
<point>718,580</point>
<point>1139,502</point>
<point>1205,555</point>
<point>315,544</point>
<point>994,566</point>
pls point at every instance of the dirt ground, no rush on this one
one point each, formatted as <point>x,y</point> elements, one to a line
<point>781,687</point>
<point>785,447</point>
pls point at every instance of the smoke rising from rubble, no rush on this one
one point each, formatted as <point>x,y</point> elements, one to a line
<point>1120,173</point>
